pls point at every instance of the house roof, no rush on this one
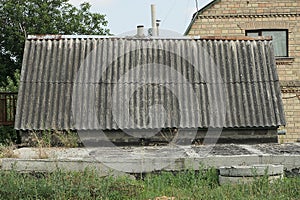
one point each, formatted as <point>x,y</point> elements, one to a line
<point>87,83</point>
<point>198,13</point>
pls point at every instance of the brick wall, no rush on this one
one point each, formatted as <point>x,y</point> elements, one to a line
<point>234,17</point>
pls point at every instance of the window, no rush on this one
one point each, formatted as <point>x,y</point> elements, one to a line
<point>280,39</point>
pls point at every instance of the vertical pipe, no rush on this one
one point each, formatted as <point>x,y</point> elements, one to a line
<point>153,17</point>
<point>157,27</point>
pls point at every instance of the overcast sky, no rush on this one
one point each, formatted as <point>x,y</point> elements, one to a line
<point>124,15</point>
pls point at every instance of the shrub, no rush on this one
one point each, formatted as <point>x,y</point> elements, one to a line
<point>8,135</point>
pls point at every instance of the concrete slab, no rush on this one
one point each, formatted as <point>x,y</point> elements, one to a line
<point>146,159</point>
<point>247,174</point>
<point>251,170</point>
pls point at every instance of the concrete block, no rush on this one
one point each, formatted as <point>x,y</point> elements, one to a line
<point>253,170</point>
<point>248,174</point>
<point>47,165</point>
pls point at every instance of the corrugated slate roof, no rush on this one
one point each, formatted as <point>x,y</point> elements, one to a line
<point>110,83</point>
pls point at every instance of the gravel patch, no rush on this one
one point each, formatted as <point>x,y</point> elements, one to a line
<point>279,149</point>
<point>224,150</point>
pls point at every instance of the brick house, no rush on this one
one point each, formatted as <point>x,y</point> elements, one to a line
<point>279,19</point>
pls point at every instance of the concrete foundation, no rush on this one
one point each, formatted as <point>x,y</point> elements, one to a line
<point>133,160</point>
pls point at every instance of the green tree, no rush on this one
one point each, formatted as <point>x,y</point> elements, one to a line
<point>20,18</point>
<point>12,84</point>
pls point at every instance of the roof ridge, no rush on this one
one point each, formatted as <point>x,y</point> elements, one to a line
<point>59,37</point>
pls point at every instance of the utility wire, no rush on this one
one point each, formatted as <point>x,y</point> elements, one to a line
<point>187,11</point>
<point>169,11</point>
<point>197,5</point>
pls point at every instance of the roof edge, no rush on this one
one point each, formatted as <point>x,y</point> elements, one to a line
<point>58,37</point>
<point>235,38</point>
<point>199,12</point>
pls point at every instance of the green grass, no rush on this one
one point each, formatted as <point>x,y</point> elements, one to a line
<point>182,185</point>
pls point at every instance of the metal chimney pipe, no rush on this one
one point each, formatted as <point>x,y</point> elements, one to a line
<point>157,27</point>
<point>153,17</point>
<point>140,31</point>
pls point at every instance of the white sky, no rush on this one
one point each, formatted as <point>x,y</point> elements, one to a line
<point>124,15</point>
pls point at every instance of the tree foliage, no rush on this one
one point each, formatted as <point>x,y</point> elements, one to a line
<point>12,83</point>
<point>20,18</point>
